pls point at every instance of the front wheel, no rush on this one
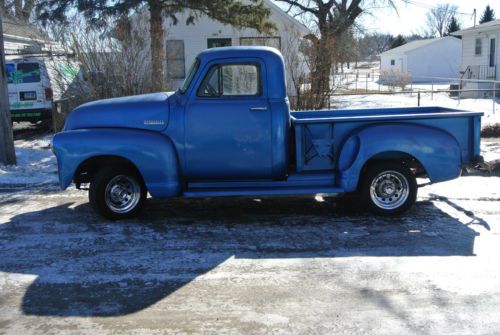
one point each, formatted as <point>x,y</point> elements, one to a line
<point>388,188</point>
<point>117,193</point>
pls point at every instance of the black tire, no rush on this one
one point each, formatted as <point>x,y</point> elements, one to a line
<point>397,178</point>
<point>100,194</point>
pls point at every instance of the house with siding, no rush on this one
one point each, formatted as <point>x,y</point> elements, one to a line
<point>23,39</point>
<point>183,42</point>
<point>480,55</point>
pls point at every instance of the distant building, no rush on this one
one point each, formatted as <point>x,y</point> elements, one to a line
<point>424,59</point>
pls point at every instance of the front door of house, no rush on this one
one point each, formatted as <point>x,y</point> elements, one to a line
<point>492,52</point>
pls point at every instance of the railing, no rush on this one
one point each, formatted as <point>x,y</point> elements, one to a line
<point>481,72</point>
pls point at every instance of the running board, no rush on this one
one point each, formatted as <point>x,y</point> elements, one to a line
<point>258,191</point>
<point>295,184</point>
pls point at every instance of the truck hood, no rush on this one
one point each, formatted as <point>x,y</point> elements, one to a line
<point>148,111</point>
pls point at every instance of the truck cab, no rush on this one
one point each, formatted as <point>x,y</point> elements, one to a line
<point>228,131</point>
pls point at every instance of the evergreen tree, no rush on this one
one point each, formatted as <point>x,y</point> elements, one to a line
<point>453,26</point>
<point>397,41</point>
<point>488,15</point>
<point>234,12</point>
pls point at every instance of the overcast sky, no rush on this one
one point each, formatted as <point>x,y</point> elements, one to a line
<point>411,18</point>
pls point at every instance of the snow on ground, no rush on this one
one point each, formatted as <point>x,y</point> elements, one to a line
<point>36,164</point>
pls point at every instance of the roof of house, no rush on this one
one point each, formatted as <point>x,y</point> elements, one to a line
<point>286,16</point>
<point>408,47</point>
<point>492,25</point>
<point>17,28</point>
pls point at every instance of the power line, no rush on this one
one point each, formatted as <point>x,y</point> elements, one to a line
<point>426,6</point>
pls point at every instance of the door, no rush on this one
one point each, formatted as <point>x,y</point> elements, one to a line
<point>218,42</point>
<point>11,85</point>
<point>492,52</point>
<point>228,124</point>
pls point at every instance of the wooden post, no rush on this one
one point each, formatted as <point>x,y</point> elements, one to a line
<point>7,151</point>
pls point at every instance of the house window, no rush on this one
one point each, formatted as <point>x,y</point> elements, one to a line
<point>479,47</point>
<point>219,42</point>
<point>393,62</point>
<point>176,67</point>
<point>231,80</point>
<point>274,42</point>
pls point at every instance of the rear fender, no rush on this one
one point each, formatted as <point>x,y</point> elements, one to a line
<point>436,150</point>
<point>153,155</point>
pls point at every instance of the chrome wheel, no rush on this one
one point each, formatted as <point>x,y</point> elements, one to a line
<point>389,190</point>
<point>122,194</point>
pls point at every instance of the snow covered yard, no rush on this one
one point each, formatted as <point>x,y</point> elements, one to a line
<point>36,164</point>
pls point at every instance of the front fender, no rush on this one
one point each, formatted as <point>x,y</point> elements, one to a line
<point>153,154</point>
<point>436,150</point>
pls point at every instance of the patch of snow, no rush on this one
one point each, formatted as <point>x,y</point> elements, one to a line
<point>36,164</point>
<point>490,149</point>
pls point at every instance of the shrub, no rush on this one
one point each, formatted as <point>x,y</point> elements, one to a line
<point>395,78</point>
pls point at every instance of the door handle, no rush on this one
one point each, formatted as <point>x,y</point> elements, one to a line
<point>258,109</point>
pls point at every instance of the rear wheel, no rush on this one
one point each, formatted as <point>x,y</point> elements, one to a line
<point>388,188</point>
<point>117,193</point>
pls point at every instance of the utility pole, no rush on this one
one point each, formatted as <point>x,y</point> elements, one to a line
<point>475,15</point>
<point>7,151</point>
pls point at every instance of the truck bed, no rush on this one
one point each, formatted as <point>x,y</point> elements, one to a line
<point>319,135</point>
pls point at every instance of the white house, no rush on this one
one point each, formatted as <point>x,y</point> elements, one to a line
<point>23,39</point>
<point>480,51</point>
<point>184,42</point>
<point>480,56</point>
<point>426,59</point>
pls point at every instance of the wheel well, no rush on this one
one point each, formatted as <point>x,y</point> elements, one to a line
<point>397,156</point>
<point>91,166</point>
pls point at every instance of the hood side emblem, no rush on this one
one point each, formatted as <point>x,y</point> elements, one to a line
<point>154,122</point>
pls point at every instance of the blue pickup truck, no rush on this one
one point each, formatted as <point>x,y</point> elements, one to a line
<point>228,131</point>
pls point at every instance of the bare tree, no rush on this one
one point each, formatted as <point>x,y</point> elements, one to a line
<point>21,9</point>
<point>439,18</point>
<point>7,151</point>
<point>332,19</point>
<point>373,45</point>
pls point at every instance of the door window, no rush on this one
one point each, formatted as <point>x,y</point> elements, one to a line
<point>232,80</point>
<point>492,52</point>
<point>11,69</point>
<point>28,73</point>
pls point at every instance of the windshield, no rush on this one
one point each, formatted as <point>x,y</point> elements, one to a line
<point>190,76</point>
